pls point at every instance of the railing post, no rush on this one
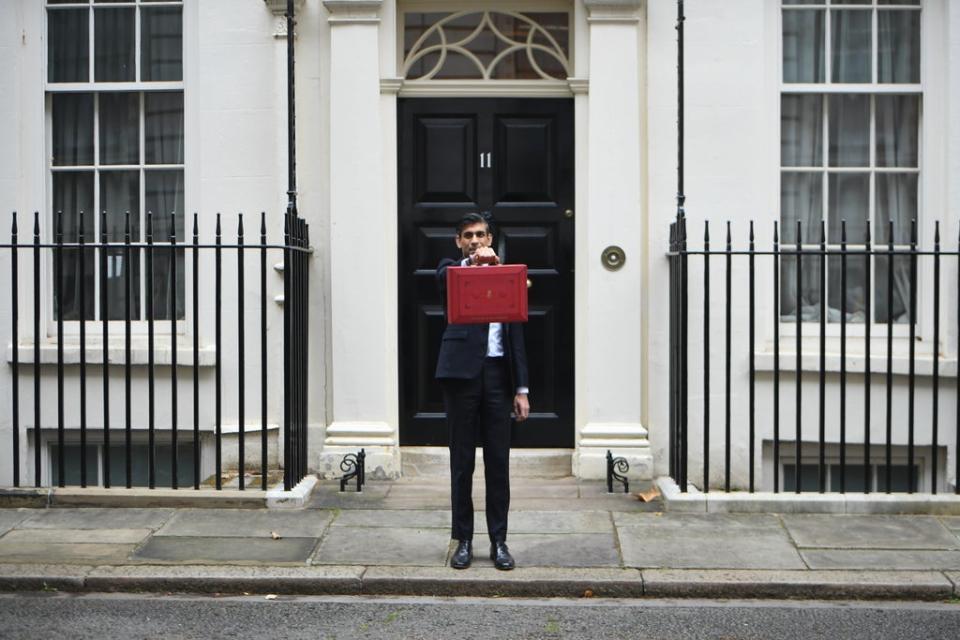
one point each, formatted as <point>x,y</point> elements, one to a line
<point>14,326</point>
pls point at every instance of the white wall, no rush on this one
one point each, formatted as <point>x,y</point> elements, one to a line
<point>732,156</point>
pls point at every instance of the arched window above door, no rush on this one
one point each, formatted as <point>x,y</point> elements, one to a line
<point>486,45</point>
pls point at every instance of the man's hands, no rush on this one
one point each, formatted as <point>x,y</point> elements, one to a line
<point>521,407</point>
<point>484,255</point>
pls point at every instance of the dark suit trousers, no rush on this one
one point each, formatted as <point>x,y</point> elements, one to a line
<point>478,411</point>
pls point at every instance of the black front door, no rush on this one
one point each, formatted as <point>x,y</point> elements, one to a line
<point>513,157</point>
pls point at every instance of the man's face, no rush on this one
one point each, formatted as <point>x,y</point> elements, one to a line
<point>473,237</point>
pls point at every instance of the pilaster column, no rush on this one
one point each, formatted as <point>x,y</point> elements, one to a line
<point>362,251</point>
<point>609,326</point>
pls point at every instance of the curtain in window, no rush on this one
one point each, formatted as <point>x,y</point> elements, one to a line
<point>120,194</point>
<point>73,193</point>
<point>164,197</point>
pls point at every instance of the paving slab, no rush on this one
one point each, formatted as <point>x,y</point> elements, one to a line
<point>388,518</point>
<point>870,532</point>
<point>65,553</point>
<point>226,579</point>
<point>72,536</point>
<point>488,582</point>
<point>700,541</point>
<point>556,550</point>
<point>880,559</point>
<point>902,585</point>
<point>951,522</point>
<point>98,519</point>
<point>225,550</point>
<point>393,547</point>
<point>10,518</point>
<point>247,523</point>
<point>559,522</point>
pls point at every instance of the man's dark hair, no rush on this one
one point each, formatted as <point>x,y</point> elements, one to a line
<point>475,218</point>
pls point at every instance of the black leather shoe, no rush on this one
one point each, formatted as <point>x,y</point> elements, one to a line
<point>501,556</point>
<point>463,555</point>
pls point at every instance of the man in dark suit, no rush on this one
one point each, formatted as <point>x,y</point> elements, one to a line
<point>483,371</point>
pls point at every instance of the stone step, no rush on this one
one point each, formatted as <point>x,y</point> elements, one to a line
<point>524,463</point>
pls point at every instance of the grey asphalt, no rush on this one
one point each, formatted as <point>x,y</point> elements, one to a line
<point>569,538</point>
<point>44,616</point>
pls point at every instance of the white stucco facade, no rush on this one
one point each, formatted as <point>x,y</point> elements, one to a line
<point>624,89</point>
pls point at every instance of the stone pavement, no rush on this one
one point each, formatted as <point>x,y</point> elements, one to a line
<point>570,538</point>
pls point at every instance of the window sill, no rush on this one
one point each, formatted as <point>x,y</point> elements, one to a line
<point>116,351</point>
<point>810,362</point>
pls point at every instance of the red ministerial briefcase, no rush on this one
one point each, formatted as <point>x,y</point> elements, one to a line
<point>495,293</point>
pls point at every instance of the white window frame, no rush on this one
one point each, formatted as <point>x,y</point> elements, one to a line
<point>139,327</point>
<point>811,329</point>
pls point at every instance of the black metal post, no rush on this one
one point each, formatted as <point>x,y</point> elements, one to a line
<point>821,462</point>
<point>105,340</point>
<point>81,273</point>
<point>151,373</point>
<point>706,356</point>
<point>934,427</point>
<point>799,355</point>
<point>240,355</point>
<point>776,358</point>
<point>727,304</point>
<point>889,447</point>
<point>36,349</point>
<point>912,314</point>
<point>868,306</point>
<point>173,351</point>
<point>196,351</point>
<point>127,370</point>
<point>14,325</point>
<point>59,305</point>
<point>218,400</point>
<point>753,367</point>
<point>263,350</point>
<point>843,356</point>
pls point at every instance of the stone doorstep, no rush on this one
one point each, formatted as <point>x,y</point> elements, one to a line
<point>521,582</point>
<point>139,497</point>
<point>694,501</point>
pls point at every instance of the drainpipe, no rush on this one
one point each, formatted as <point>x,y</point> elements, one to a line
<point>291,116</point>
<point>681,197</point>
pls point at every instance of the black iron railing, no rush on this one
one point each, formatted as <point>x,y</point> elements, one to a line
<point>806,428</point>
<point>231,362</point>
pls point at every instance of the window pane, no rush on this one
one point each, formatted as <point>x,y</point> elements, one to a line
<point>119,128</point>
<point>72,129</point>
<point>898,47</point>
<point>849,199</point>
<point>852,480</point>
<point>801,130</point>
<point>68,45</point>
<point>914,2</point>
<point>851,42</point>
<point>809,477</point>
<point>810,283</point>
<point>898,123</point>
<point>803,39</point>
<point>164,195</point>
<point>114,42</point>
<point>71,464</point>
<point>161,44</point>
<point>900,283</point>
<point>73,193</point>
<point>139,465</point>
<point>849,131</point>
<point>855,292</point>
<point>801,198</point>
<point>896,201</point>
<point>120,193</point>
<point>163,124</point>
<point>898,477</point>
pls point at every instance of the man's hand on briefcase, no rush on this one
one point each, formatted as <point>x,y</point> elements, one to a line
<point>484,255</point>
<point>521,407</point>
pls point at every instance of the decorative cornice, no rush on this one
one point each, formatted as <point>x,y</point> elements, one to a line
<point>279,7</point>
<point>578,86</point>
<point>613,10</point>
<point>477,88</point>
<point>353,11</point>
<point>390,86</point>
